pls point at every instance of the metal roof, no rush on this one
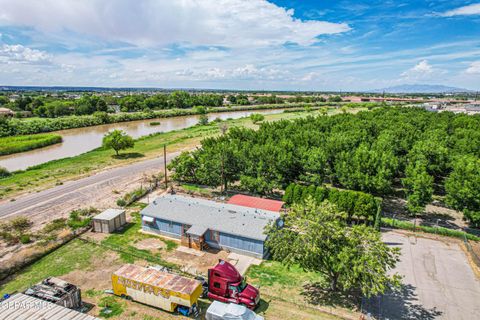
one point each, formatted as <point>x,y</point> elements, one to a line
<point>255,202</point>
<point>23,307</point>
<point>228,218</point>
<point>109,214</point>
<point>197,230</point>
<point>156,278</point>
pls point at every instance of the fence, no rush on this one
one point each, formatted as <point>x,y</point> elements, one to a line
<point>472,253</point>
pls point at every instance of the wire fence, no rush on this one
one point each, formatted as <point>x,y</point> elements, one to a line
<point>473,254</point>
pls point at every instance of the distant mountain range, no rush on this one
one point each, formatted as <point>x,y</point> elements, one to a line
<point>421,88</point>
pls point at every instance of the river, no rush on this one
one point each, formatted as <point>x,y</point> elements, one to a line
<point>80,140</point>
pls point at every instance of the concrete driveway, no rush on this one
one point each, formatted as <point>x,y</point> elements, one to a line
<point>438,282</point>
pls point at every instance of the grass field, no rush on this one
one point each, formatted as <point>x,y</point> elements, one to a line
<point>10,145</point>
<point>56,172</point>
<point>76,255</point>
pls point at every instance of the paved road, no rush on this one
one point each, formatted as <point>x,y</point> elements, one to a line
<point>72,189</point>
<point>438,282</point>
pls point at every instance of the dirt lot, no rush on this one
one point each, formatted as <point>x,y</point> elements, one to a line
<point>438,281</point>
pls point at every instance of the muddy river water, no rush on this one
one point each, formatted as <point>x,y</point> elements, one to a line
<point>80,140</point>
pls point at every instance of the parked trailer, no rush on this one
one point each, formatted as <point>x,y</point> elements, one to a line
<point>160,289</point>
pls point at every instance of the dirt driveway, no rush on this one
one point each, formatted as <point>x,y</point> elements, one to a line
<point>438,282</point>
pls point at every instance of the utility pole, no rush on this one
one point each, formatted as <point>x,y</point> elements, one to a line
<point>165,164</point>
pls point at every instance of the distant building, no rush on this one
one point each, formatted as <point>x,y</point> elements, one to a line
<point>5,112</point>
<point>200,223</point>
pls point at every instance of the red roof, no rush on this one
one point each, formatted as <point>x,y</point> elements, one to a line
<point>257,203</point>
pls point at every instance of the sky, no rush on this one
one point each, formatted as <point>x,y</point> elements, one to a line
<point>240,44</point>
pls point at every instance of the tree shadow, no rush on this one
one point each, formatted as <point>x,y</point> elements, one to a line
<point>316,294</point>
<point>401,304</point>
<point>129,155</point>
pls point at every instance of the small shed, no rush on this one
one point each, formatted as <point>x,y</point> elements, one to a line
<point>109,220</point>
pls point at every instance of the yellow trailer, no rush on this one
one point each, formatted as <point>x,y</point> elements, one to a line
<point>160,289</point>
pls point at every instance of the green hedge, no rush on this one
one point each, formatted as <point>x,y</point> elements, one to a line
<point>398,224</point>
<point>10,145</point>
<point>358,205</point>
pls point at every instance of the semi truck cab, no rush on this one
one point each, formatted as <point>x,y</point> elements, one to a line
<point>226,284</point>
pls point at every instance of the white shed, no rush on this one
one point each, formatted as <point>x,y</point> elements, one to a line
<point>109,220</point>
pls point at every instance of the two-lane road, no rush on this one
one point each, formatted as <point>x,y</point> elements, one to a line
<point>77,189</point>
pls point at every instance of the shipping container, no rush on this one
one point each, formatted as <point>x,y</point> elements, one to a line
<point>156,288</point>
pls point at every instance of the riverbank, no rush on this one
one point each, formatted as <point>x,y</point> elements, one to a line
<point>29,126</point>
<point>59,171</point>
<point>16,144</point>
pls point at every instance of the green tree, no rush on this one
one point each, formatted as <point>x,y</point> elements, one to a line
<point>419,186</point>
<point>350,258</point>
<point>463,188</point>
<point>117,140</point>
<point>257,117</point>
<point>203,120</point>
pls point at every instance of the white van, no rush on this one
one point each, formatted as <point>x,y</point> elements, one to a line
<point>230,311</point>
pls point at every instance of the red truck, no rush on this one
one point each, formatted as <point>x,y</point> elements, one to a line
<point>226,284</point>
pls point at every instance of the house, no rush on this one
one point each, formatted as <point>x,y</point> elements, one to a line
<point>5,112</point>
<point>109,220</point>
<point>200,223</point>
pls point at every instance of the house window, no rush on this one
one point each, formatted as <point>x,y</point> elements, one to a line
<point>215,235</point>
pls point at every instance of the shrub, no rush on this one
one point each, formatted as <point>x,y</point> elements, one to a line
<point>25,239</point>
<point>57,224</point>
<point>256,117</point>
<point>4,172</point>
<point>121,202</point>
<point>80,218</point>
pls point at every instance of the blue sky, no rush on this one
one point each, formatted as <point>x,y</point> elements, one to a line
<point>240,44</point>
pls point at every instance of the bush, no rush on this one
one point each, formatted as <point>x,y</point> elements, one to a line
<point>121,202</point>
<point>25,239</point>
<point>256,117</point>
<point>80,218</point>
<point>4,172</point>
<point>155,123</point>
<point>203,120</point>
<point>57,224</point>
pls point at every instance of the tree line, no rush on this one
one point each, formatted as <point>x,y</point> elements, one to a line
<point>87,104</point>
<point>356,205</point>
<point>385,151</point>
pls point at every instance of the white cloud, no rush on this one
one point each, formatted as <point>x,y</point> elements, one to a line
<point>474,68</point>
<point>231,23</point>
<point>422,71</point>
<point>245,72</point>
<point>469,10</point>
<point>20,54</point>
